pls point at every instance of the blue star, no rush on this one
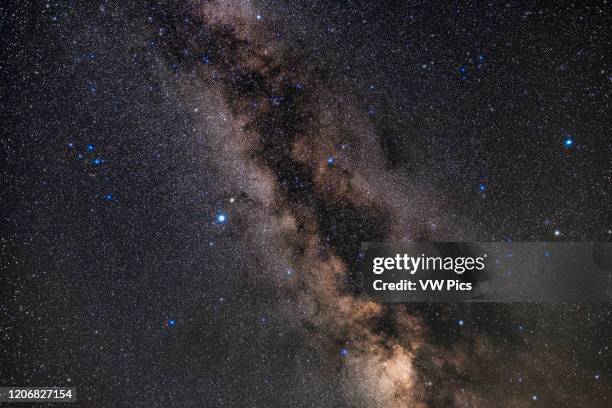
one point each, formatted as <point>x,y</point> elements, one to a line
<point>70,145</point>
<point>597,376</point>
<point>97,161</point>
<point>93,88</point>
<point>90,148</point>
<point>482,187</point>
<point>344,352</point>
<point>371,111</point>
<point>221,218</point>
<point>205,59</point>
<point>568,142</point>
<point>109,197</point>
<point>330,161</point>
<point>171,322</point>
<point>289,272</point>
<point>258,17</point>
<point>461,322</point>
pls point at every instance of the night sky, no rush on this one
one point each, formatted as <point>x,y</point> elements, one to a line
<point>186,186</point>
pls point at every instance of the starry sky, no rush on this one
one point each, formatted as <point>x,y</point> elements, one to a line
<point>186,186</point>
